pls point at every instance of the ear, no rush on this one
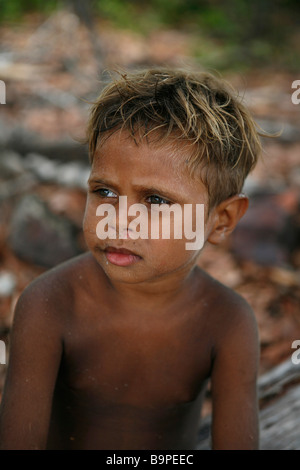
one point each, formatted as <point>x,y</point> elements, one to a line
<point>225,217</point>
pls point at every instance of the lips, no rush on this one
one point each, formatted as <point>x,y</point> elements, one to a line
<point>112,249</point>
<point>121,256</point>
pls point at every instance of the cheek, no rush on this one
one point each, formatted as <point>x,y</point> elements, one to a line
<point>89,222</point>
<point>167,255</point>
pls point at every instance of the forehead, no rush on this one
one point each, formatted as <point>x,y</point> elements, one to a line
<point>120,151</point>
<point>127,166</point>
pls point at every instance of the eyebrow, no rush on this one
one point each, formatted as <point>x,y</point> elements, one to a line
<point>140,188</point>
<point>100,181</point>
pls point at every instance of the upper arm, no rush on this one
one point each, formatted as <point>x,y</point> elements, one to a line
<point>35,354</point>
<point>234,375</point>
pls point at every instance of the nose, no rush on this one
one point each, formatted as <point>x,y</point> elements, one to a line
<point>123,219</point>
<point>122,233</point>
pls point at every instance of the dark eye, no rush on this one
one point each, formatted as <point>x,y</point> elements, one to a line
<point>154,199</point>
<point>104,192</point>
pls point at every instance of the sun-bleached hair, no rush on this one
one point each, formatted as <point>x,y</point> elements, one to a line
<point>164,105</point>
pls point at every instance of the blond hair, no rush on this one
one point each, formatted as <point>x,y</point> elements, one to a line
<point>196,108</point>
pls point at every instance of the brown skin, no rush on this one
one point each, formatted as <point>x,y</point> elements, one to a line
<point>114,357</point>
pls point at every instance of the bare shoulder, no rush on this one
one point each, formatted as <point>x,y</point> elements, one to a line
<point>229,311</point>
<point>61,280</point>
<point>55,290</point>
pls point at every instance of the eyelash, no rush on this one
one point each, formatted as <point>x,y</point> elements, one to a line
<point>165,201</point>
<point>98,191</point>
<point>162,200</point>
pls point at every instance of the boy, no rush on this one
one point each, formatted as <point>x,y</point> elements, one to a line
<point>113,349</point>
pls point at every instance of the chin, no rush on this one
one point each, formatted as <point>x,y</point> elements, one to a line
<point>128,274</point>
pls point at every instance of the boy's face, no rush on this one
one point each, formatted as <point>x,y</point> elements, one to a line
<point>147,175</point>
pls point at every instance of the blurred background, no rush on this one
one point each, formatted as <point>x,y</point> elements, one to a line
<point>55,56</point>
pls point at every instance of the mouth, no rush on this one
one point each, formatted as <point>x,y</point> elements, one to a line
<point>121,256</point>
<point>123,251</point>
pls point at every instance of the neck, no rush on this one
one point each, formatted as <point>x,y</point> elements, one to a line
<point>166,289</point>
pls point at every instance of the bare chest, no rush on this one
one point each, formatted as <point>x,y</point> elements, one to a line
<point>137,363</point>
